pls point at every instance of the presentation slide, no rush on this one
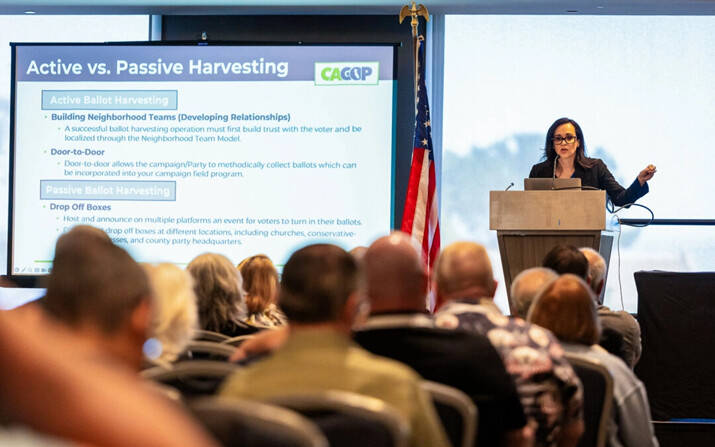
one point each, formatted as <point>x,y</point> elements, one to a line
<point>177,150</point>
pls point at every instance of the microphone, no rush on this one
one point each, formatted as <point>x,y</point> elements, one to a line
<point>510,185</point>
<point>553,176</point>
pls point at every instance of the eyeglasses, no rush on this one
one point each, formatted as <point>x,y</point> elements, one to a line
<point>568,139</point>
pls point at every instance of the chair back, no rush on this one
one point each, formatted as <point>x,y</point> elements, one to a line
<point>206,350</point>
<point>349,419</point>
<point>192,378</point>
<point>236,341</point>
<point>168,392</point>
<point>457,412</point>
<point>203,335</point>
<point>242,423</point>
<point>597,397</point>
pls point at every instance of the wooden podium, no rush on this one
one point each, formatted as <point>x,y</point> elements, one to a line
<point>530,223</point>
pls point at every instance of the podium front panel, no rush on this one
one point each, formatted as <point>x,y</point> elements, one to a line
<point>547,210</point>
<point>521,250</point>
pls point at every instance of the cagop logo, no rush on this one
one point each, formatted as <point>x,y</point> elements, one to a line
<point>347,73</point>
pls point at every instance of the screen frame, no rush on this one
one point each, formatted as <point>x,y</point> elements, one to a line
<point>36,280</point>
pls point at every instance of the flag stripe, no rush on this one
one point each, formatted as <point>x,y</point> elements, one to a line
<point>422,204</point>
<point>411,200</point>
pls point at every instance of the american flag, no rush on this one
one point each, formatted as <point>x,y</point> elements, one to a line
<point>421,215</point>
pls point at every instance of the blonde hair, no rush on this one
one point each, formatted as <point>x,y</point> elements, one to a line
<point>219,291</point>
<point>175,310</point>
<point>260,281</point>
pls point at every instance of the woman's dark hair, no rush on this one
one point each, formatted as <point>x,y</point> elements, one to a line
<point>566,259</point>
<point>581,158</point>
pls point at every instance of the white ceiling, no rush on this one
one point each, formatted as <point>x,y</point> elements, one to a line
<point>626,7</point>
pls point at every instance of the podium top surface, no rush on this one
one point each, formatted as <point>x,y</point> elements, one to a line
<point>547,210</point>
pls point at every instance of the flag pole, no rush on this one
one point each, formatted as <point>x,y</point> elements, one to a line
<point>414,12</point>
<point>420,218</point>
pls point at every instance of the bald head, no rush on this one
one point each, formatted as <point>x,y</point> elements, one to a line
<point>463,270</point>
<point>526,287</point>
<point>396,277</point>
<point>358,252</point>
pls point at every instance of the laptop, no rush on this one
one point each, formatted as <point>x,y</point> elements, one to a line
<point>541,184</point>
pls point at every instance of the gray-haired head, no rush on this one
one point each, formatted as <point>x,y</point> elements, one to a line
<point>526,287</point>
<point>596,269</point>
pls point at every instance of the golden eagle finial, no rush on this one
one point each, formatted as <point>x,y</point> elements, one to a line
<point>414,12</point>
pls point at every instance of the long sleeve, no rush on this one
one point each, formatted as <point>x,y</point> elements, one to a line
<point>635,428</point>
<point>618,194</point>
<point>597,176</point>
<point>623,323</point>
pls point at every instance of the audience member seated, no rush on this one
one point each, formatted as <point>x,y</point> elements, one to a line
<point>549,389</point>
<point>526,286</point>
<point>400,328</point>
<point>320,296</point>
<point>219,294</point>
<point>260,345</point>
<point>50,385</point>
<point>566,259</point>
<point>260,281</point>
<point>567,308</point>
<point>569,259</point>
<point>620,322</point>
<point>175,311</point>
<point>99,292</point>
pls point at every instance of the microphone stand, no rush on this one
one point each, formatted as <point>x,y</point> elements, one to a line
<point>553,175</point>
